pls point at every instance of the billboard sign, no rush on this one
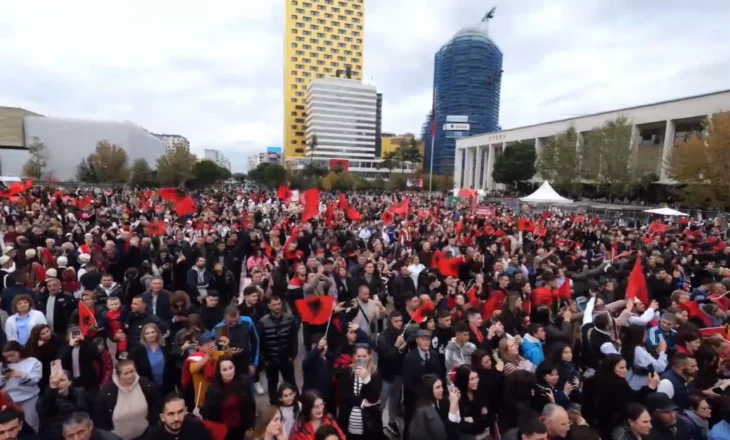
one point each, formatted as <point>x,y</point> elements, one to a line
<point>456,126</point>
<point>457,118</point>
<point>456,134</point>
<point>277,150</point>
<point>344,163</point>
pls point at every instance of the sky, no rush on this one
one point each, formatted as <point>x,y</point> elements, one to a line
<point>213,71</point>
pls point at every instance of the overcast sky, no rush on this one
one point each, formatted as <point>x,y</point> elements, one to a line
<point>212,71</point>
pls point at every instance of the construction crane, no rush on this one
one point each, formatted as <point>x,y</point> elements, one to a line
<point>484,24</point>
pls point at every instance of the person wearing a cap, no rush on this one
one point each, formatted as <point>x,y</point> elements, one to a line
<point>200,365</point>
<point>664,423</point>
<point>422,360</point>
<point>7,266</point>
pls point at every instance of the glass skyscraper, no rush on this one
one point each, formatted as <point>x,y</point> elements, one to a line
<point>467,84</point>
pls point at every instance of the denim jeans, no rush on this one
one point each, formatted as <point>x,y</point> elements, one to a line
<point>390,397</point>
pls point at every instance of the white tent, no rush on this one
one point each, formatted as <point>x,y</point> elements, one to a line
<point>545,194</point>
<point>666,211</point>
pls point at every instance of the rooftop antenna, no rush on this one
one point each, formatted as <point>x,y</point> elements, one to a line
<point>484,24</point>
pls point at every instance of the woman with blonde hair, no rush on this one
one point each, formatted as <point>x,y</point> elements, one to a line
<point>153,360</point>
<point>360,386</point>
<point>270,426</point>
<point>509,353</point>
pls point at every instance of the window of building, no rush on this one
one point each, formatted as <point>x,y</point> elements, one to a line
<point>342,18</point>
<point>307,5</point>
<point>342,58</point>
<point>299,121</point>
<point>348,12</point>
<point>313,27</point>
<point>359,28</point>
<point>300,25</point>
<point>348,26</point>
<point>314,54</point>
<point>320,75</point>
<point>336,23</point>
<point>341,45</point>
<point>315,14</point>
<point>356,60</point>
<point>294,114</point>
<point>307,18</point>
<point>297,150</point>
<point>306,33</point>
<point>335,64</point>
<point>321,21</point>
<point>328,57</point>
<point>327,29</point>
<point>329,2</point>
<point>328,43</point>
<point>358,54</point>
<point>294,127</point>
<point>359,14</point>
<point>356,6</point>
<point>327,69</point>
<point>321,7</point>
<point>300,94</point>
<point>337,10</point>
<point>294,45</point>
<point>348,52</point>
<point>294,59</point>
<point>359,40</point>
<point>294,17</point>
<point>294,3</point>
<point>299,107</point>
<point>342,32</point>
<point>300,52</point>
<point>299,133</point>
<point>320,49</point>
<point>306,60</point>
<point>299,80</point>
<point>294,100</point>
<point>306,47</point>
<point>348,39</point>
<point>320,62</point>
<point>300,66</point>
<point>333,50</point>
<point>300,39</point>
<point>307,74</point>
<point>335,37</point>
<point>343,4</point>
<point>328,15</point>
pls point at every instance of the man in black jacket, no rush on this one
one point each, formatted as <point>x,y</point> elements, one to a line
<point>137,319</point>
<point>158,300</point>
<point>57,306</point>
<point>402,288</point>
<point>390,348</point>
<point>422,360</point>
<point>175,424</point>
<point>279,343</point>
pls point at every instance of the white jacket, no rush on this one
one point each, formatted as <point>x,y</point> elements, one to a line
<point>11,332</point>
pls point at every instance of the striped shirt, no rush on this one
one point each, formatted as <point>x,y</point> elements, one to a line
<point>355,425</point>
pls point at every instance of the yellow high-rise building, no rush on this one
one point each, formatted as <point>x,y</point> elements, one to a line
<point>323,38</point>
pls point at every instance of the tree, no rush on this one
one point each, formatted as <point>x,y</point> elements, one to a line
<point>411,153</point>
<point>241,177</point>
<point>84,172</point>
<point>312,146</point>
<point>329,181</point>
<point>608,159</point>
<point>208,172</point>
<point>109,162</point>
<point>37,163</point>
<point>559,162</point>
<point>516,165</point>
<point>699,165</point>
<point>269,174</point>
<point>141,173</point>
<point>390,161</point>
<point>176,166</point>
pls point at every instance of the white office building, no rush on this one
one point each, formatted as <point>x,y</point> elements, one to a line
<point>217,157</point>
<point>341,113</point>
<point>656,129</point>
<point>172,139</point>
<point>255,160</point>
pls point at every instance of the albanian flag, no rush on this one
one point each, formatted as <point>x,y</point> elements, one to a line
<point>342,204</point>
<point>401,208</point>
<point>86,319</point>
<point>316,310</point>
<point>285,193</point>
<point>388,218</point>
<point>311,204</point>
<point>156,228</point>
<point>494,302</point>
<point>421,315</point>
<point>526,225</point>
<point>450,266</point>
<point>353,215</point>
<point>183,203</point>
<point>636,288</point>
<point>436,259</point>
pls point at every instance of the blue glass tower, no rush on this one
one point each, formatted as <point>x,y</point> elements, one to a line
<point>467,84</point>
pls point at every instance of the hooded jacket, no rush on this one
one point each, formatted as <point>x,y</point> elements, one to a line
<point>457,356</point>
<point>532,349</point>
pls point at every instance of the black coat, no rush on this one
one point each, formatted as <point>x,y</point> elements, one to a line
<point>279,338</point>
<point>144,369</point>
<point>108,400</point>
<point>89,360</point>
<point>390,358</point>
<point>216,395</point>
<point>162,308</point>
<point>53,409</point>
<point>371,416</point>
<point>414,367</point>
<point>47,353</point>
<point>137,321</point>
<point>62,310</point>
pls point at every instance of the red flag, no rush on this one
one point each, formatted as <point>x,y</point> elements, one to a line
<point>182,202</point>
<point>526,225</point>
<point>353,215</point>
<point>658,227</point>
<point>423,214</point>
<point>316,310</point>
<point>421,315</point>
<point>388,218</point>
<point>86,319</point>
<point>285,193</point>
<point>268,250</point>
<point>156,228</point>
<point>436,258</point>
<point>579,219</point>
<point>311,204</point>
<point>489,230</point>
<point>564,291</point>
<point>342,204</point>
<point>636,288</point>
<point>450,266</point>
<point>540,231</point>
<point>494,302</point>
<point>401,208</point>
<point>329,215</point>
<point>186,207</point>
<point>459,227</point>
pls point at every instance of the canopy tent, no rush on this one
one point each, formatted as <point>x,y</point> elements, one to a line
<point>545,194</point>
<point>666,211</point>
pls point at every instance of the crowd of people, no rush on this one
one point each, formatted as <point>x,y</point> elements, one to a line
<point>141,314</point>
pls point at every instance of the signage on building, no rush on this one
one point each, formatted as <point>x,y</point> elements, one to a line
<point>344,163</point>
<point>410,183</point>
<point>457,126</point>
<point>456,134</point>
<point>497,137</point>
<point>456,118</point>
<point>274,150</point>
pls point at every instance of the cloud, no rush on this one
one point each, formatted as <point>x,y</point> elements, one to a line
<point>213,72</point>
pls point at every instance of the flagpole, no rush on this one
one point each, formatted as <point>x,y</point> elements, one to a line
<point>430,171</point>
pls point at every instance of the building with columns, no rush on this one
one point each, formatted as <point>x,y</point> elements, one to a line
<point>656,129</point>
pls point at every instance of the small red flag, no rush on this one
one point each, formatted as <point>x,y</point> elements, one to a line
<point>564,291</point>
<point>316,310</point>
<point>285,193</point>
<point>436,258</point>
<point>658,227</point>
<point>311,204</point>
<point>156,228</point>
<point>388,218</point>
<point>86,319</point>
<point>421,315</point>
<point>450,266</point>
<point>494,302</point>
<point>526,225</point>
<point>636,288</point>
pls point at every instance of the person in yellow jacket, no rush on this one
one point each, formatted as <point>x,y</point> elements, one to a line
<point>200,367</point>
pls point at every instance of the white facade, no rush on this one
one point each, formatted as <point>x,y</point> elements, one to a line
<point>217,157</point>
<point>172,139</point>
<point>256,160</point>
<point>368,169</point>
<point>342,114</point>
<point>70,140</point>
<point>660,126</point>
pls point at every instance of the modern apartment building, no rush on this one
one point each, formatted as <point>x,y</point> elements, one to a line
<point>217,157</point>
<point>172,139</point>
<point>342,114</point>
<point>322,38</point>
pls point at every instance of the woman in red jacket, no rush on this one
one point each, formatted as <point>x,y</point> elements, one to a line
<point>229,400</point>
<point>311,417</point>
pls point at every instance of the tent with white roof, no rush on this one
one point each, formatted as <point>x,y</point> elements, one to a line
<point>666,211</point>
<point>546,194</point>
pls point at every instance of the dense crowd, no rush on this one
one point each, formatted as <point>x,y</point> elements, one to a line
<point>142,314</point>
